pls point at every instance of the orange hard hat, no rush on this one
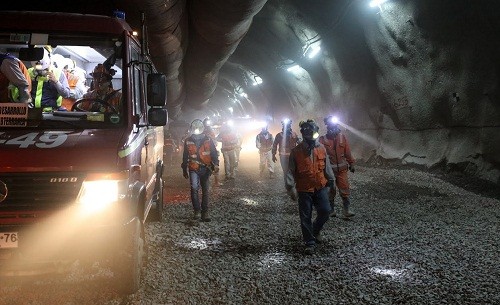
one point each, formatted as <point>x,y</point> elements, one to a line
<point>101,71</point>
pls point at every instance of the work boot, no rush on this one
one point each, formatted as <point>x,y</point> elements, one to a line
<point>318,237</point>
<point>204,216</point>
<point>332,212</point>
<point>346,214</point>
<point>310,249</point>
<point>196,215</point>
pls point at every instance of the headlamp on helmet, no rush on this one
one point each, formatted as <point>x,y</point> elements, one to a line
<point>207,122</point>
<point>309,130</point>
<point>332,119</point>
<point>197,127</point>
<point>332,125</point>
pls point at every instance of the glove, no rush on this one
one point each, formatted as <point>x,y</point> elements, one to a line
<point>351,168</point>
<point>185,173</point>
<point>292,193</point>
<point>274,158</point>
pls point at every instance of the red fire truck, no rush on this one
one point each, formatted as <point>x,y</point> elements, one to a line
<point>77,185</point>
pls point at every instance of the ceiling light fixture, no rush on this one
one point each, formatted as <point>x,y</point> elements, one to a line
<point>377,3</point>
<point>312,50</point>
<point>293,69</point>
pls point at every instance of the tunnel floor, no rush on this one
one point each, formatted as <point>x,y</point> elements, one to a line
<point>415,239</point>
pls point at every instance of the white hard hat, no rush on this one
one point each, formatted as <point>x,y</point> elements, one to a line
<point>58,60</point>
<point>197,127</point>
<point>69,64</point>
<point>43,63</point>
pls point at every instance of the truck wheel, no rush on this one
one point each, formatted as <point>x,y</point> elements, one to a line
<point>156,214</point>
<point>127,271</point>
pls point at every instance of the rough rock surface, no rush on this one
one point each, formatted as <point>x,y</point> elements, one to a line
<point>415,239</point>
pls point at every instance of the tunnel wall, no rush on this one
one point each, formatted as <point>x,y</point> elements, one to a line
<point>416,82</point>
<point>438,82</point>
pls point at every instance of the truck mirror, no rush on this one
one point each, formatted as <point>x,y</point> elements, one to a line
<point>30,54</point>
<point>157,117</point>
<point>157,90</point>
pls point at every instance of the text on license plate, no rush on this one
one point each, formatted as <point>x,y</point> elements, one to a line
<point>8,240</point>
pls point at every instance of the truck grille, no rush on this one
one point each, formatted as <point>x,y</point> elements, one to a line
<point>39,190</point>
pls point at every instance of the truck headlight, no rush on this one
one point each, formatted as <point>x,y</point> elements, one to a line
<point>100,190</point>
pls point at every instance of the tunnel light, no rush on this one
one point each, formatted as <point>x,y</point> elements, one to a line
<point>285,121</point>
<point>135,33</point>
<point>243,94</point>
<point>293,69</point>
<point>312,51</point>
<point>375,3</point>
<point>230,109</point>
<point>257,80</point>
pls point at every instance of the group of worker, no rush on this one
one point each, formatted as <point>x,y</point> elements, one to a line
<point>200,160</point>
<point>54,83</point>
<point>314,167</point>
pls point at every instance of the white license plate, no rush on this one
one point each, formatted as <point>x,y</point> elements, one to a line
<point>8,240</point>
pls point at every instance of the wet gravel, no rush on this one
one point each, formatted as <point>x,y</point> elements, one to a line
<point>415,239</point>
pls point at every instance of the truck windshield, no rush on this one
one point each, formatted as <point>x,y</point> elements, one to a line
<point>76,84</point>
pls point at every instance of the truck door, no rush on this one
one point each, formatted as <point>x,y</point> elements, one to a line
<point>147,159</point>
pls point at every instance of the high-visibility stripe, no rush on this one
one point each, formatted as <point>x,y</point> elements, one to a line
<point>128,149</point>
<point>38,95</point>
<point>39,87</point>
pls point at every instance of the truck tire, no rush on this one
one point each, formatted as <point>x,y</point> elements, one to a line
<point>128,267</point>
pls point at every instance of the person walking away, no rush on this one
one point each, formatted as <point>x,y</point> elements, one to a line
<point>238,151</point>
<point>339,152</point>
<point>15,81</point>
<point>49,85</point>
<point>229,140</point>
<point>208,131</point>
<point>308,179</point>
<point>264,143</point>
<point>199,160</point>
<point>285,140</point>
<point>170,147</point>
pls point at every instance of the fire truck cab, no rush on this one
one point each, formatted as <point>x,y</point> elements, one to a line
<point>76,183</point>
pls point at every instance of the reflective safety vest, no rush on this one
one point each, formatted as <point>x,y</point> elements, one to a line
<point>198,157</point>
<point>44,92</point>
<point>11,93</point>
<point>265,144</point>
<point>309,172</point>
<point>229,141</point>
<point>338,151</point>
<point>285,143</point>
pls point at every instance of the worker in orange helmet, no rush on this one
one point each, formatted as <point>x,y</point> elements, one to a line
<point>307,180</point>
<point>339,151</point>
<point>102,97</point>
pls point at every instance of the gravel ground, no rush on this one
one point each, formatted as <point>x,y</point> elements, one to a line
<point>415,239</point>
